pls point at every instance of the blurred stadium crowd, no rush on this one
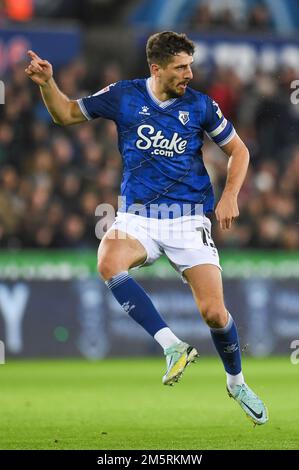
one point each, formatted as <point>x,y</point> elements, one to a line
<point>224,15</point>
<point>227,15</point>
<point>52,178</point>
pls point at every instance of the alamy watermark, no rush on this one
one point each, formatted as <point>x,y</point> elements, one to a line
<point>295,93</point>
<point>2,92</point>
<point>170,222</point>
<point>2,353</point>
<point>295,354</point>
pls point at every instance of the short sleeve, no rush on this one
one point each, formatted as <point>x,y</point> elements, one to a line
<point>218,128</point>
<point>104,103</point>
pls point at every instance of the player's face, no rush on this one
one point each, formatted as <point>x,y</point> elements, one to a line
<point>176,75</point>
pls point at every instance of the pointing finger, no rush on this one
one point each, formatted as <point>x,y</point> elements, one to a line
<point>33,55</point>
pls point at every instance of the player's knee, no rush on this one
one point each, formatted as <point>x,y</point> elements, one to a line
<point>215,316</point>
<point>107,268</point>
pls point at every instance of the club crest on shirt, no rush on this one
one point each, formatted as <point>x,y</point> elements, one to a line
<point>184,117</point>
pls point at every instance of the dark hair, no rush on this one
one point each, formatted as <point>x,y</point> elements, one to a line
<point>161,47</point>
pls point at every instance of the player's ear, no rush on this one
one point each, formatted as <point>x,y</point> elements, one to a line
<point>154,69</point>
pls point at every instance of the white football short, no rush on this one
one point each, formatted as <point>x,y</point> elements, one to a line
<point>186,241</point>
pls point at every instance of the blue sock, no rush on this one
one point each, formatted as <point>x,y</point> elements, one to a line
<point>227,344</point>
<point>135,301</point>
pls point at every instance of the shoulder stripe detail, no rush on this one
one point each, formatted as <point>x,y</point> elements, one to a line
<point>218,129</point>
<point>228,138</point>
<point>83,109</point>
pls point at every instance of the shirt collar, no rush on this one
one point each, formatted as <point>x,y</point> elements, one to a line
<point>161,104</point>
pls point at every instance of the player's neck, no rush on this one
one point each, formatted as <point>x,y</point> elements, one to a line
<point>157,90</point>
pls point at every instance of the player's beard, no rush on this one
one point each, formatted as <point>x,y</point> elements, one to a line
<point>174,92</point>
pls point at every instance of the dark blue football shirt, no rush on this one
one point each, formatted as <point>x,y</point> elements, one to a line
<point>160,144</point>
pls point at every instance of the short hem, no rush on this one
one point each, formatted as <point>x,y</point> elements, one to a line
<point>185,281</point>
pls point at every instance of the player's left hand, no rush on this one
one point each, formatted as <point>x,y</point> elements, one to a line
<point>227,210</point>
<point>40,71</point>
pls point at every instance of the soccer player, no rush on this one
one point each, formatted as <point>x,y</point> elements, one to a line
<point>167,196</point>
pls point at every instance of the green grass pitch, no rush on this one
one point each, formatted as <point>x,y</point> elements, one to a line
<point>122,404</point>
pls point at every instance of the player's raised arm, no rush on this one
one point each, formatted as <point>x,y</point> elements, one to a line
<point>63,110</point>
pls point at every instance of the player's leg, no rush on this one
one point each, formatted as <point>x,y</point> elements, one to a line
<point>117,253</point>
<point>206,284</point>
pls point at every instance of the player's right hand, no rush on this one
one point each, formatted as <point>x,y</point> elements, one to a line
<point>39,70</point>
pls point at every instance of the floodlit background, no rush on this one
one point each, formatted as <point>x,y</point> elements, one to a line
<point>52,304</point>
